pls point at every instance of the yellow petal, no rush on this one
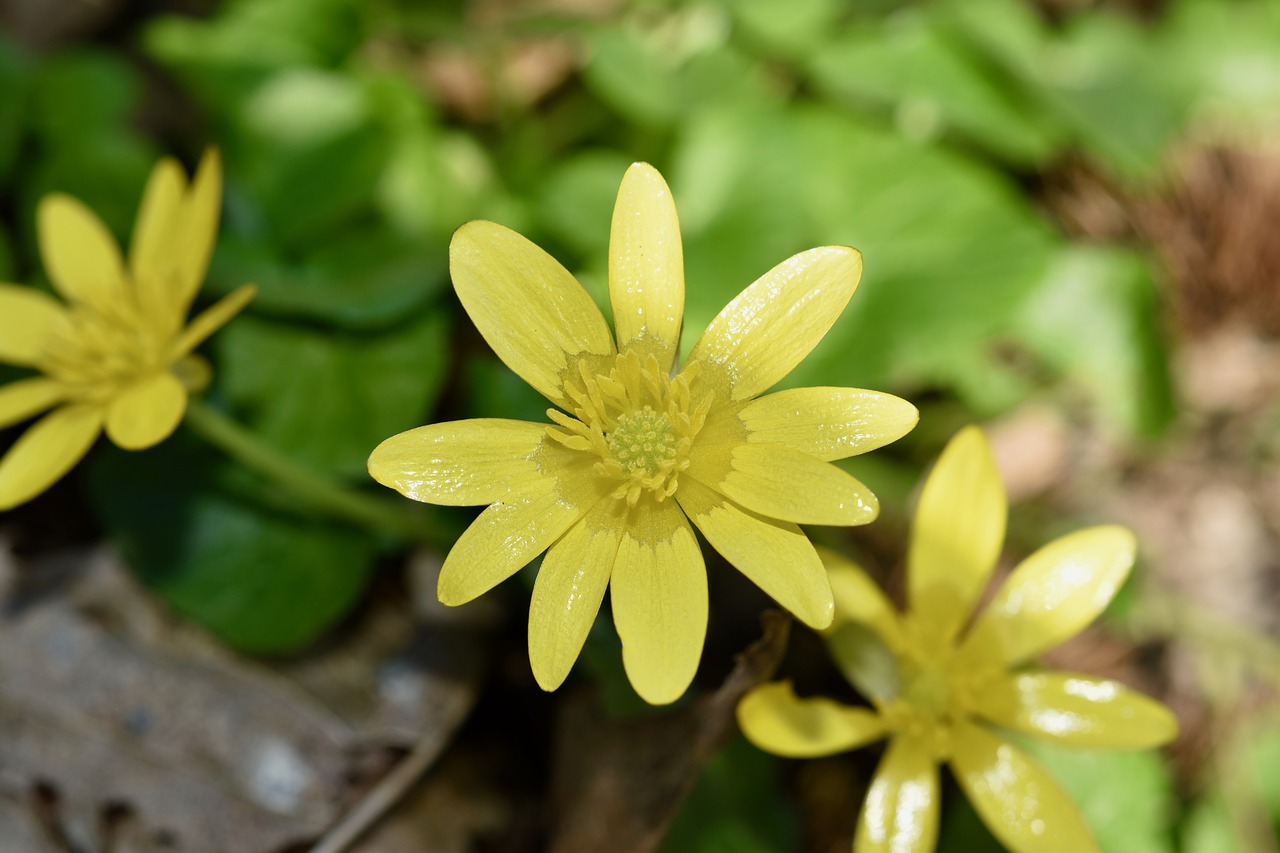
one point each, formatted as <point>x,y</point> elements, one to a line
<point>903,803</point>
<point>1077,710</point>
<point>1052,595</point>
<point>460,463</point>
<point>859,599</point>
<point>214,318</point>
<point>775,555</point>
<point>197,229</point>
<point>147,413</point>
<point>28,397</point>
<point>791,486</point>
<point>80,254</point>
<point>829,423</point>
<point>956,535</point>
<point>502,540</point>
<point>569,589</point>
<point>865,631</point>
<point>533,313</point>
<point>773,718</point>
<point>27,317</point>
<point>1017,800</point>
<point>49,449</point>
<point>659,597</point>
<point>772,325</point>
<point>646,264</point>
<point>152,255</point>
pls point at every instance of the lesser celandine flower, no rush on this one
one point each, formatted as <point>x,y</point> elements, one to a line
<point>117,355</point>
<point>941,691</point>
<point>634,452</point>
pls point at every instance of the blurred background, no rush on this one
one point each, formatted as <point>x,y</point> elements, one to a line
<point>1070,218</point>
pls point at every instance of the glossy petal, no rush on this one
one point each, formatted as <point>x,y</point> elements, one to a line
<point>957,534</point>
<point>46,451</point>
<point>147,413</point>
<point>568,592</point>
<point>659,596</point>
<point>1078,710</point>
<point>829,423</point>
<point>772,325</point>
<point>460,463</point>
<point>1017,800</point>
<point>775,555</point>
<point>214,318</point>
<point>27,398</point>
<point>80,254</point>
<point>1052,595</point>
<point>27,317</point>
<point>646,264</point>
<point>533,313</point>
<point>789,485</point>
<point>773,718</point>
<point>901,812</point>
<point>502,540</point>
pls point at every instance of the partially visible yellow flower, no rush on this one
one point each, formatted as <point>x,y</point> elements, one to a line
<point>634,452</point>
<point>938,690</point>
<point>118,354</point>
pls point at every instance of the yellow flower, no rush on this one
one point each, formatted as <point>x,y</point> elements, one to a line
<point>938,690</point>
<point>117,355</point>
<point>635,453</point>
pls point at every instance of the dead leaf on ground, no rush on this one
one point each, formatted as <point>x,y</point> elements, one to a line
<point>143,734</point>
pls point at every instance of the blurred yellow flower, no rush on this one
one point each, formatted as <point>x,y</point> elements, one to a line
<point>116,355</point>
<point>938,690</point>
<point>636,453</point>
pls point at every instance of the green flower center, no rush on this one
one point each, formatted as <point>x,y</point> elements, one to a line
<point>643,442</point>
<point>96,355</point>
<point>639,421</point>
<point>933,695</point>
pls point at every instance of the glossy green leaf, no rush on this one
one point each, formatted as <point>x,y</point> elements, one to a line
<point>1127,798</point>
<point>331,398</point>
<point>265,582</point>
<point>1094,318</point>
<point>931,85</point>
<point>951,249</point>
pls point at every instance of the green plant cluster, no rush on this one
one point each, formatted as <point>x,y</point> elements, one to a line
<point>916,131</point>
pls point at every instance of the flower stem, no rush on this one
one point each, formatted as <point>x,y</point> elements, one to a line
<point>312,489</point>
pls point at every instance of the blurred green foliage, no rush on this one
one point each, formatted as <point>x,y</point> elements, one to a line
<point>915,131</point>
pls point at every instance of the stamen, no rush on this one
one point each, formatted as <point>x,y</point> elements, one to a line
<point>636,418</point>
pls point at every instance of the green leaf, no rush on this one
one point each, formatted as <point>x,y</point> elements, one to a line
<point>1126,797</point>
<point>1102,76</point>
<point>576,200</point>
<point>950,247</point>
<point>1094,318</point>
<point>327,397</point>
<point>793,28</point>
<point>366,279</point>
<point>265,583</point>
<point>934,85</point>
<point>657,75</point>
<point>1229,53</point>
<point>735,807</point>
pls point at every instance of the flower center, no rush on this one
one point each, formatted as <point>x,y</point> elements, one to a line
<point>97,355</point>
<point>638,420</point>
<point>643,442</point>
<point>932,697</point>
